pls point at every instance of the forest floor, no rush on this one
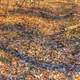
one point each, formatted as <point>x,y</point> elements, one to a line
<point>39,39</point>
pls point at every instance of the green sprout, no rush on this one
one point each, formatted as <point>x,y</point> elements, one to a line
<point>30,66</point>
<point>5,60</point>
